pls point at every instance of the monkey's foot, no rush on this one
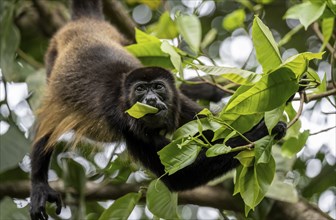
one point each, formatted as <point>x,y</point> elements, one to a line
<point>40,194</point>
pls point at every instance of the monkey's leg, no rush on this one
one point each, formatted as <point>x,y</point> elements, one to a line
<point>41,192</point>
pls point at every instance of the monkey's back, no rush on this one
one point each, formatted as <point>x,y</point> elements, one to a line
<point>86,62</point>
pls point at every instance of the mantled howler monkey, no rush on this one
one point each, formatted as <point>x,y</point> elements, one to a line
<point>92,80</point>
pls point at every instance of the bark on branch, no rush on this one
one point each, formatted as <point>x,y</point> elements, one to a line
<point>211,196</point>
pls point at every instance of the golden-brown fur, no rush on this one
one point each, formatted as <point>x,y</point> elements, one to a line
<point>56,117</point>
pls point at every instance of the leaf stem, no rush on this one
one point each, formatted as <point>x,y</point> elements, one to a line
<point>232,129</point>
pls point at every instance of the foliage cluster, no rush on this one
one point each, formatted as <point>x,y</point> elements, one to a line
<point>182,42</point>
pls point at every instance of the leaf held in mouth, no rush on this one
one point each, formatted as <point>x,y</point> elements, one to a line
<point>139,110</point>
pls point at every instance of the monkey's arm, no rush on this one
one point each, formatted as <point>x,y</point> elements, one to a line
<point>205,168</point>
<point>41,192</point>
<point>202,90</point>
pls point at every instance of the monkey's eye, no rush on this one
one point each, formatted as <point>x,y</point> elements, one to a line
<point>159,86</point>
<point>140,88</point>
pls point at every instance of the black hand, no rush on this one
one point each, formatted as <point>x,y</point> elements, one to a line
<point>41,193</point>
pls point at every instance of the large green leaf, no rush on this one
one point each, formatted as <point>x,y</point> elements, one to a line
<point>273,117</point>
<point>191,30</point>
<point>307,12</point>
<point>270,92</point>
<point>218,149</point>
<point>327,30</point>
<point>141,37</point>
<point>239,76</point>
<point>122,207</point>
<point>299,62</point>
<point>293,145</point>
<point>165,28</point>
<point>241,123</point>
<point>191,128</point>
<point>175,58</point>
<point>13,147</point>
<point>147,49</point>
<point>174,157</point>
<point>161,201</point>
<point>266,48</point>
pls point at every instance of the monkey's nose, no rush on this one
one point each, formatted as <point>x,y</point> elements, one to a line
<point>151,102</point>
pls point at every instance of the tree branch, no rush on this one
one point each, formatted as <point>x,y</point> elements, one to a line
<point>297,211</point>
<point>211,196</point>
<point>318,96</point>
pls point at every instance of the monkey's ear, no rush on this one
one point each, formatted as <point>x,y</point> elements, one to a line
<point>148,74</point>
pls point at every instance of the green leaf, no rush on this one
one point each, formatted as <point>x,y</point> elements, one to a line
<point>14,146</point>
<point>165,28</point>
<point>323,86</point>
<point>284,192</point>
<point>218,149</point>
<point>241,123</point>
<point>254,181</point>
<point>273,117</point>
<point>327,30</point>
<point>141,37</point>
<point>264,175</point>
<point>161,202</point>
<point>239,76</point>
<point>209,38</point>
<point>9,210</point>
<point>205,112</point>
<point>248,187</point>
<point>74,176</point>
<point>246,158</point>
<point>293,145</point>
<point>262,150</point>
<point>306,12</point>
<point>139,110</point>
<point>281,84</point>
<point>299,62</point>
<point>147,49</point>
<point>9,39</point>
<point>266,48</point>
<point>175,58</point>
<point>175,158</point>
<point>191,30</point>
<point>191,128</point>
<point>122,207</point>
<point>36,84</point>
<point>234,20</point>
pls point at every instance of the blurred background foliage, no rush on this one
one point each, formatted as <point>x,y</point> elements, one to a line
<point>297,26</point>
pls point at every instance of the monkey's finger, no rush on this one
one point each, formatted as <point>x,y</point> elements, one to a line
<point>58,205</point>
<point>43,214</point>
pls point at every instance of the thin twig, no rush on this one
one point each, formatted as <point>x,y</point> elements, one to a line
<point>298,114</point>
<point>320,36</point>
<point>324,130</point>
<point>318,96</point>
<point>332,65</point>
<point>30,60</point>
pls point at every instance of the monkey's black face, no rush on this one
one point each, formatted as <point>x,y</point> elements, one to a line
<point>153,93</point>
